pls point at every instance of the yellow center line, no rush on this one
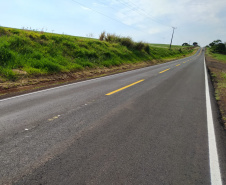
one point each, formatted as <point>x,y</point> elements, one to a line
<point>164,70</point>
<point>178,65</point>
<point>124,87</point>
<point>184,62</point>
<point>55,117</point>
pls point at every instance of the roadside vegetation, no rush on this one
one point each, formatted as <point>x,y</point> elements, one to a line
<point>216,62</point>
<point>38,53</point>
<point>36,59</point>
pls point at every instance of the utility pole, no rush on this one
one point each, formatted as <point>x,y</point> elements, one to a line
<point>172,36</point>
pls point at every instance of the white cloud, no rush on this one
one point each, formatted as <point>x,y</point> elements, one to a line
<point>85,8</point>
<point>187,15</point>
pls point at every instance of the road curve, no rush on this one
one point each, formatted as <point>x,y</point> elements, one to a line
<point>147,126</point>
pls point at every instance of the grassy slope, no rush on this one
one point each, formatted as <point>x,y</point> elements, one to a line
<point>36,53</point>
<point>219,76</point>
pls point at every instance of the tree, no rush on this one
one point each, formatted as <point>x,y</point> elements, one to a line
<point>185,44</point>
<point>215,42</point>
<point>195,43</point>
<point>218,47</point>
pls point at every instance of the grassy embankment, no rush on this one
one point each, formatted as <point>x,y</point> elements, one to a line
<point>31,54</point>
<point>217,65</point>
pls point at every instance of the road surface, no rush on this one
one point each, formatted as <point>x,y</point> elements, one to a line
<point>147,126</point>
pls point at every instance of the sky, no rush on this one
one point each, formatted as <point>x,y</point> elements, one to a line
<point>150,21</point>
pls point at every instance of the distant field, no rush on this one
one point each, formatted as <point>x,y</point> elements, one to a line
<point>32,53</point>
<point>166,46</point>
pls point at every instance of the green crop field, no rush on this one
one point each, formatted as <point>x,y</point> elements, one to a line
<point>38,53</point>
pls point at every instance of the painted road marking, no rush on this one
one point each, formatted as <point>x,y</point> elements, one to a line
<point>184,62</point>
<point>164,70</point>
<point>215,173</point>
<point>178,65</point>
<point>55,117</point>
<point>124,87</point>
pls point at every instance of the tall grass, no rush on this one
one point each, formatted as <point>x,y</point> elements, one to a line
<point>125,41</point>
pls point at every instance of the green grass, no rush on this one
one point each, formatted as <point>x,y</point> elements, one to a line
<point>39,53</point>
<point>220,57</point>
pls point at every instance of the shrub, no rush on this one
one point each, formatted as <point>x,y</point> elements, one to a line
<point>107,54</point>
<point>107,63</point>
<point>8,73</point>
<point>44,37</point>
<point>3,31</point>
<point>125,41</point>
<point>140,46</point>
<point>5,55</point>
<point>69,45</point>
<point>85,63</point>
<point>25,50</point>
<point>102,36</point>
<point>128,42</point>
<point>15,31</point>
<point>46,65</point>
<point>33,36</point>
<point>37,55</point>
<point>147,48</point>
<point>111,38</point>
<point>57,39</point>
<point>17,42</point>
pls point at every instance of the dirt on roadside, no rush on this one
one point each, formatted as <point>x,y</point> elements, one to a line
<point>216,68</point>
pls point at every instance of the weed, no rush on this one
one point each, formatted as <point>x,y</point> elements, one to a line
<point>6,56</point>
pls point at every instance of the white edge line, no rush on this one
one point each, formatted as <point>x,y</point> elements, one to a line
<point>108,76</point>
<point>215,173</point>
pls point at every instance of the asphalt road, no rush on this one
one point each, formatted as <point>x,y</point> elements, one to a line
<point>147,126</point>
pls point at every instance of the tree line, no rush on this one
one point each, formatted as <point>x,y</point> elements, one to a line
<point>217,46</point>
<point>194,44</point>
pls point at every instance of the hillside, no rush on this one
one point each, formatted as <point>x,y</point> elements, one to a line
<point>31,54</point>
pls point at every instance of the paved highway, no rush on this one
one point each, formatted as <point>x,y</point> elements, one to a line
<point>148,126</point>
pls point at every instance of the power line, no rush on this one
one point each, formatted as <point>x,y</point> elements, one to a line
<point>105,15</point>
<point>126,4</point>
<point>141,12</point>
<point>97,11</point>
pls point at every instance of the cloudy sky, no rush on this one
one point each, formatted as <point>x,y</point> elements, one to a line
<point>150,21</point>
